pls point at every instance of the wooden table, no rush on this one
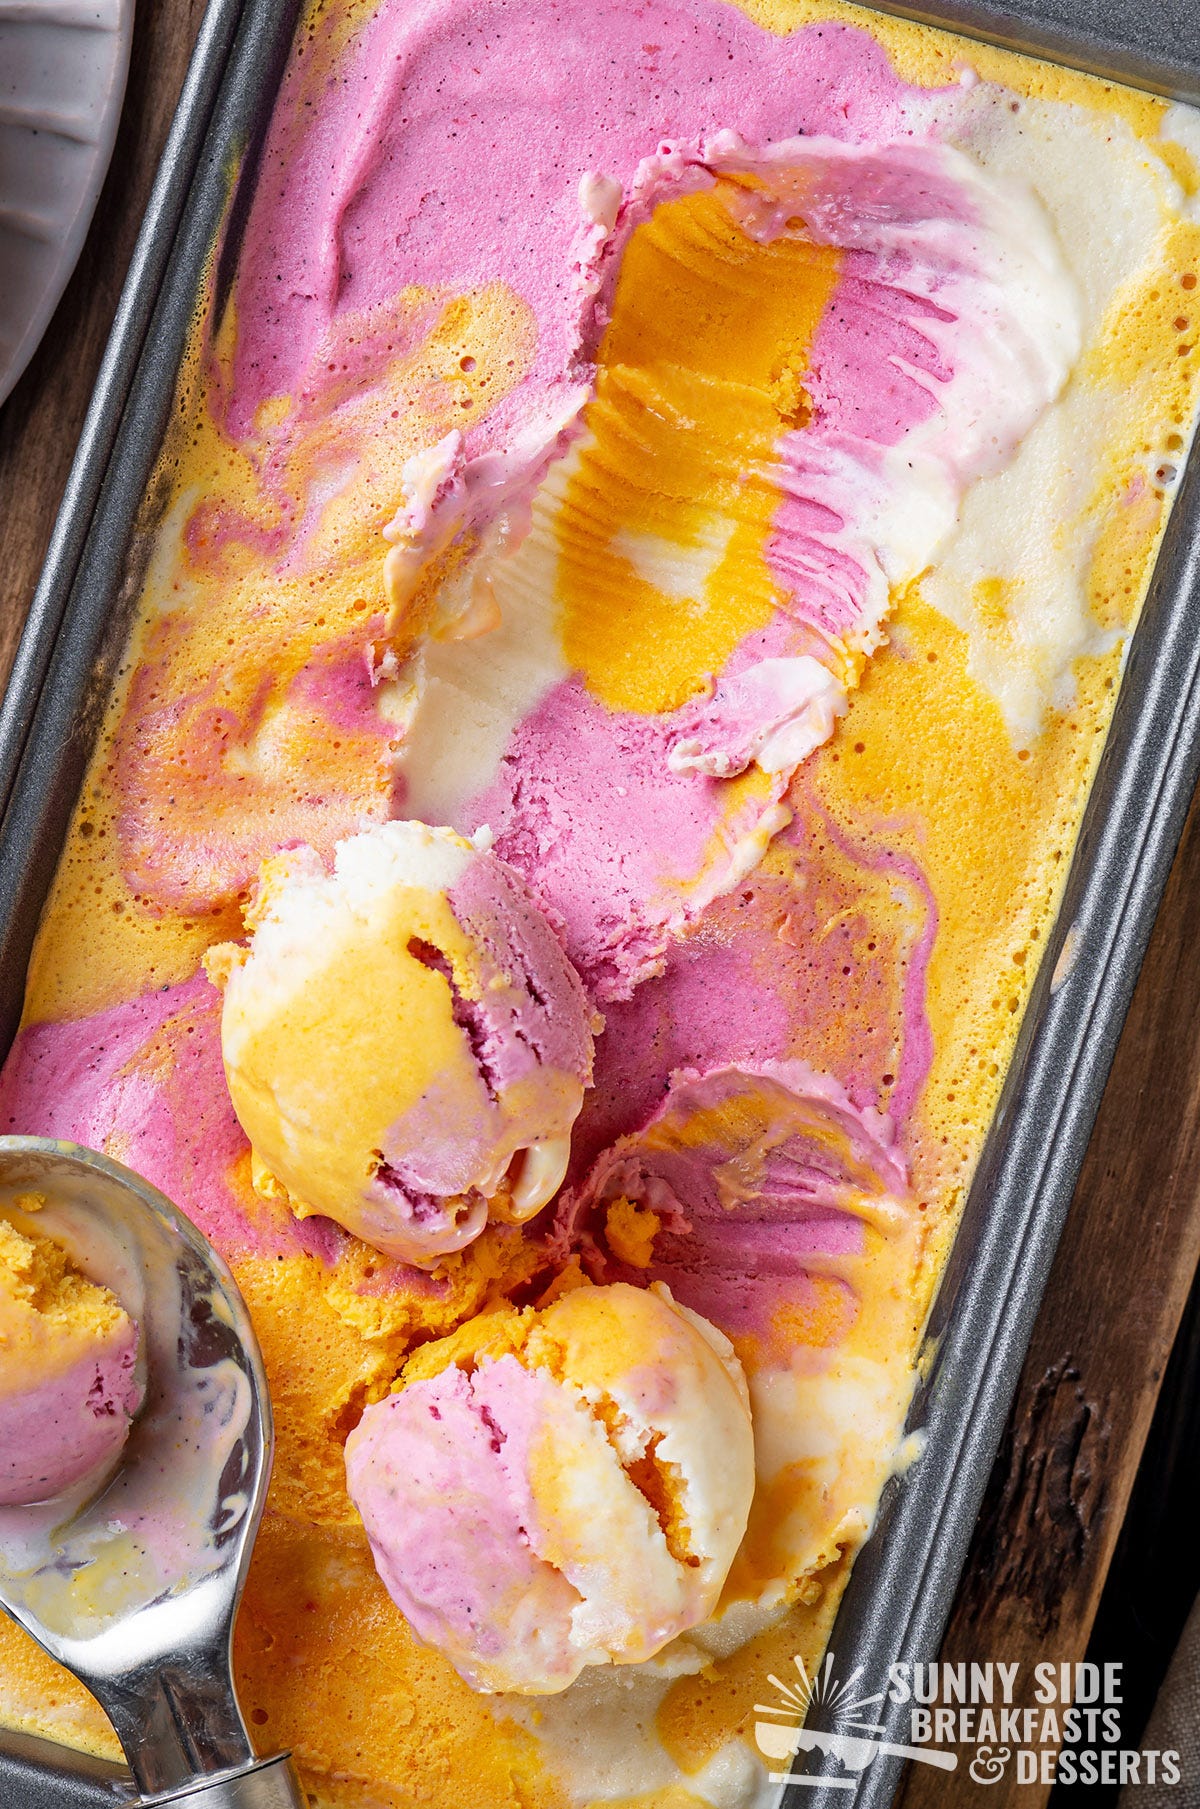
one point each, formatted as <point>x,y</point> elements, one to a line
<point>1062,1481</point>
<point>1059,1494</point>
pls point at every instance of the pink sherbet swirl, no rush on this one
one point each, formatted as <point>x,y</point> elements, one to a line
<point>370,186</point>
<point>451,162</point>
<point>585,806</point>
<point>576,1500</point>
<point>70,1428</point>
<point>747,1208</point>
<point>529,1018</point>
<point>144,1081</point>
<point>951,329</point>
<point>442,1490</point>
<point>953,326</point>
<point>763,978</point>
<point>925,370</point>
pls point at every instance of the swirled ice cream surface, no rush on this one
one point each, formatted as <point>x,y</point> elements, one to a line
<point>708,458</point>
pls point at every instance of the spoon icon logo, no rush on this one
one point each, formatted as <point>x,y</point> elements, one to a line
<point>784,1736</point>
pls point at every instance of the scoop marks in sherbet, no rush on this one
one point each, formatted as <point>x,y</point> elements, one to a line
<point>767,1201</point>
<point>405,1042</point>
<point>742,1184</point>
<point>558,1488</point>
<point>70,1377</point>
<point>779,364</point>
<point>792,361</point>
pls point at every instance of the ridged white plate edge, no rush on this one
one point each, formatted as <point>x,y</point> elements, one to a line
<point>69,15</point>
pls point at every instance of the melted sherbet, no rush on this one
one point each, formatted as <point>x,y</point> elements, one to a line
<point>556,1489</point>
<point>405,1042</point>
<point>719,452</point>
<point>70,1377</point>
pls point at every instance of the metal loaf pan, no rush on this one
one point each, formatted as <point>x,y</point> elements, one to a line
<point>904,1581</point>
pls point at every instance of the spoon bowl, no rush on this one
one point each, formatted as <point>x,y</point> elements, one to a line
<point>135,1588</point>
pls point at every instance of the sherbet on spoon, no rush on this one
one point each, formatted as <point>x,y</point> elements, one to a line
<point>135,1589</point>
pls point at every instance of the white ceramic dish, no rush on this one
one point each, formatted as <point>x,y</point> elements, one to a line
<point>63,65</point>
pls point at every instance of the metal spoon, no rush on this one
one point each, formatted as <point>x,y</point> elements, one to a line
<point>135,1589</point>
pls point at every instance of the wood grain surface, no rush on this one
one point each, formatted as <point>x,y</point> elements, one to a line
<point>1060,1488</point>
<point>1120,1282</point>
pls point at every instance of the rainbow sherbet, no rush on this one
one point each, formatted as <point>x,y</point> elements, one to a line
<point>650,524</point>
<point>554,1489</point>
<point>405,1041</point>
<point>70,1382</point>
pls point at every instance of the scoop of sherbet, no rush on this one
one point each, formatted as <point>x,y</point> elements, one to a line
<point>405,1041</point>
<point>559,1487</point>
<point>70,1381</point>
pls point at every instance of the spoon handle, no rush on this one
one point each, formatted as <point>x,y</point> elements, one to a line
<point>267,1784</point>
